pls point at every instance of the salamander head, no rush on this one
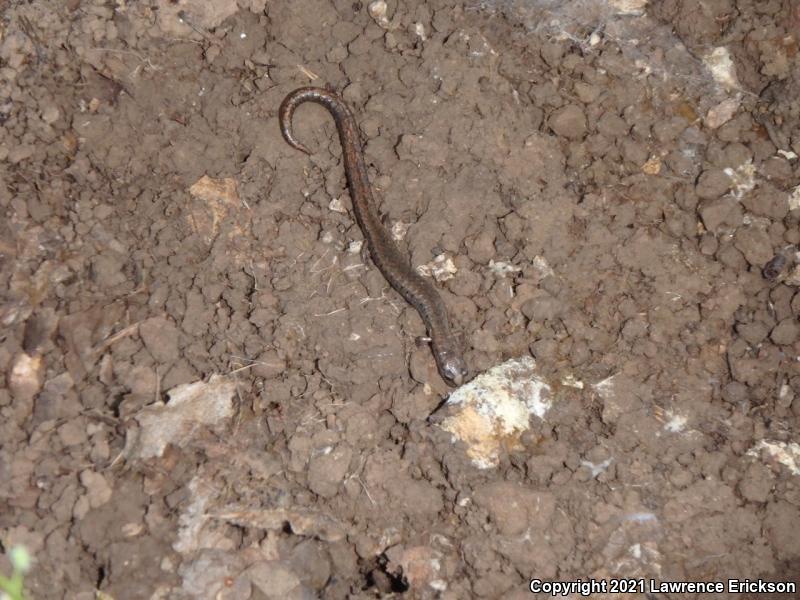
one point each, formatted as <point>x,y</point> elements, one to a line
<point>452,367</point>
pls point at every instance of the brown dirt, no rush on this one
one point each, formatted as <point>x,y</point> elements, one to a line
<point>577,138</point>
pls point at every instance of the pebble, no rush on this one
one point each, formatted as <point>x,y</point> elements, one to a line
<point>98,491</point>
<point>752,333</point>
<point>712,184</point>
<point>708,244</point>
<point>327,470</point>
<point>482,249</point>
<point>767,201</point>
<point>273,578</point>
<point>20,152</point>
<point>636,152</point>
<point>72,433</point>
<point>569,121</point>
<point>780,526</point>
<point>785,332</point>
<point>721,113</point>
<point>757,483</point>
<point>160,337</point>
<point>514,508</point>
<point>312,563</point>
<point>25,377</point>
<point>544,350</point>
<point>542,308</point>
<point>466,284</point>
<point>484,340</point>
<point>586,92</point>
<point>612,126</point>
<point>755,244</point>
<point>50,113</point>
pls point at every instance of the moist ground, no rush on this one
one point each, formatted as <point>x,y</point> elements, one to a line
<point>597,184</point>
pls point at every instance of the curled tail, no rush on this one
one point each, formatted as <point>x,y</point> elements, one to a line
<point>328,99</point>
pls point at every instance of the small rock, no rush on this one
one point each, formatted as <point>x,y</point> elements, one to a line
<point>619,395</point>
<point>767,201</point>
<point>785,332</point>
<point>545,350</point>
<point>734,392</point>
<point>633,329</point>
<point>587,93</point>
<point>57,400</point>
<point>731,257</point>
<point>50,113</point>
<point>719,213</point>
<point>311,560</point>
<point>103,211</point>
<point>721,113</point>
<point>327,470</point>
<point>100,449</point>
<point>98,491</point>
<point>712,184</point>
<point>21,152</point>
<point>752,333</point>
<point>72,433</point>
<point>361,429</point>
<point>708,244</point>
<point>681,477</point>
<point>81,508</point>
<point>722,67</point>
<point>668,130</point>
<point>795,304</point>
<point>107,270</point>
<point>749,371</point>
<point>542,308</point>
<point>634,152</point>
<point>421,566</point>
<point>205,575</point>
<point>781,523</point>
<point>568,121</point>
<point>482,249</point>
<point>160,337</point>
<point>611,125</point>
<point>25,378</point>
<point>755,244</point>
<point>514,508</point>
<point>756,484</point>
<point>652,166</point>
<point>39,330</point>
<point>273,577</point>
<point>140,380</point>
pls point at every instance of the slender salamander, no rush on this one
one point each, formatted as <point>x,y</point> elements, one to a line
<point>418,291</point>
